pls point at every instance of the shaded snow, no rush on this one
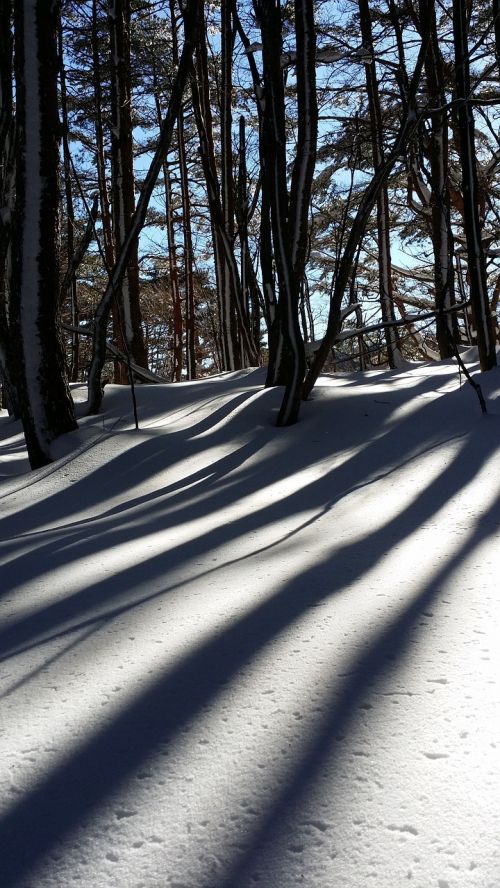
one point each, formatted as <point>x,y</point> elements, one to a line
<point>236,655</point>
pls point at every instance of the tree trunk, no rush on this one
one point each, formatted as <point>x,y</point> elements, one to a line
<point>481,309</point>
<point>7,197</point>
<point>189,302</point>
<point>70,278</point>
<point>172,259</point>
<point>249,284</point>
<point>496,23</point>
<point>408,127</point>
<point>441,233</point>
<point>383,218</point>
<point>128,331</point>
<point>236,340</point>
<point>45,403</point>
<point>188,254</point>
<point>102,184</point>
<point>190,12</point>
<point>270,303</point>
<point>289,213</point>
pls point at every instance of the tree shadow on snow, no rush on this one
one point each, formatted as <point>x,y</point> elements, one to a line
<point>73,790</point>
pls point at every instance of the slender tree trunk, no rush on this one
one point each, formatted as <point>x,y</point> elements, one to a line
<point>441,232</point>
<point>172,259</point>
<point>227,177</point>
<point>190,12</point>
<point>496,22</point>
<point>188,260</point>
<point>289,213</point>
<point>249,283</point>
<point>190,320</point>
<point>203,115</point>
<point>7,197</point>
<point>408,127</point>
<point>70,289</point>
<point>128,333</point>
<point>107,232</point>
<point>45,403</point>
<point>467,148</point>
<point>383,218</point>
<point>236,339</point>
<point>270,302</point>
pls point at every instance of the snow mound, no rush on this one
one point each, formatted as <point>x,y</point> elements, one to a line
<point>237,655</point>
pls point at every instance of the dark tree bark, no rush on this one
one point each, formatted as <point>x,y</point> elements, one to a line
<point>227,178</point>
<point>107,232</point>
<point>189,301</point>
<point>128,327</point>
<point>45,404</point>
<point>7,193</point>
<point>249,284</point>
<point>383,218</point>
<point>289,212</point>
<point>436,198</point>
<point>481,309</point>
<point>496,23</point>
<point>408,128</point>
<point>188,260</point>
<point>236,341</point>
<point>270,302</point>
<point>69,290</point>
<point>172,259</point>
<point>190,11</point>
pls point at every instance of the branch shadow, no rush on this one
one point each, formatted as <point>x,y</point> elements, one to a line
<point>143,516</point>
<point>67,797</point>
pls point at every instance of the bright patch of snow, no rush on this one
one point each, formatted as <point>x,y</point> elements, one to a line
<point>237,655</point>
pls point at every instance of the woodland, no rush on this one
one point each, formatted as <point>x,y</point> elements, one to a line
<point>189,188</point>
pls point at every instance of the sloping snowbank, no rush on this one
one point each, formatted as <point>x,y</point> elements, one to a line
<point>235,655</point>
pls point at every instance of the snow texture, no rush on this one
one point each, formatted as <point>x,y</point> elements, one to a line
<point>237,655</point>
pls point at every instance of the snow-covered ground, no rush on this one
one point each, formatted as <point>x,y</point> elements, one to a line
<point>236,655</point>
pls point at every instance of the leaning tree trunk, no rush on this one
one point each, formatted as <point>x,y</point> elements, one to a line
<point>45,404</point>
<point>408,128</point>
<point>481,310</point>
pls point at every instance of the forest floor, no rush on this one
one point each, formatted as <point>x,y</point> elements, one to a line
<point>237,655</point>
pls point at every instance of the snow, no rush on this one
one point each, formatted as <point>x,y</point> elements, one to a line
<point>237,655</point>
